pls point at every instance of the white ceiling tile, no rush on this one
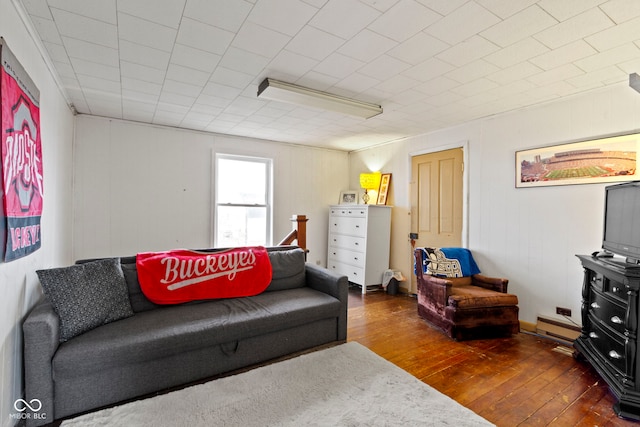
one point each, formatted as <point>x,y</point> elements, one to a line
<point>565,9</point>
<point>314,43</point>
<point>91,52</point>
<point>86,29</point>
<point>289,63</point>
<point>146,33</point>
<point>468,20</point>
<point>597,77</point>
<point>142,72</point>
<point>514,73</point>
<point>181,88</point>
<point>475,87</point>
<point>80,66</point>
<point>517,52</point>
<point>65,70</point>
<point>557,74</point>
<point>564,55</point>
<point>396,84</point>
<point>443,7</point>
<point>194,58</point>
<point>148,88</point>
<point>428,70</point>
<point>47,30</point>
<point>220,90</point>
<point>418,48</point>
<point>173,99</point>
<point>146,99</point>
<point>243,61</point>
<point>225,14</point>
<point>366,46</point>
<point>139,54</point>
<point>37,8</point>
<point>469,50</point>
<point>57,52</point>
<point>621,10</point>
<point>182,74</point>
<point>344,18</point>
<point>357,83</point>
<point>165,12</point>
<point>505,9</point>
<point>338,65</point>
<point>583,25</point>
<point>260,40</point>
<point>381,5</point>
<point>101,10</point>
<point>519,26</point>
<point>626,32</point>
<point>384,67</point>
<point>437,85</point>
<point>94,85</point>
<point>472,71</point>
<point>404,20</point>
<point>231,78</point>
<point>270,15</point>
<point>613,56</point>
<point>203,37</point>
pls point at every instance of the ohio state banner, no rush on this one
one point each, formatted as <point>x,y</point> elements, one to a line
<point>21,153</point>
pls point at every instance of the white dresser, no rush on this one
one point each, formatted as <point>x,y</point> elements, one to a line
<point>359,240</point>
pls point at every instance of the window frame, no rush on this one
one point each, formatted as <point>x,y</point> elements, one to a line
<point>268,205</point>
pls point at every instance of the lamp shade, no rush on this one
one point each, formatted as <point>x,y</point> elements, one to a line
<point>370,181</point>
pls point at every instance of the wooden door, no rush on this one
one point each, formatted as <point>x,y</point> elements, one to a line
<point>436,200</point>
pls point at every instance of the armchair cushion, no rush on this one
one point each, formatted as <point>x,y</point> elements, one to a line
<point>477,297</point>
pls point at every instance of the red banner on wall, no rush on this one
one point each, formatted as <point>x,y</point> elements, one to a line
<point>21,153</point>
<point>179,276</point>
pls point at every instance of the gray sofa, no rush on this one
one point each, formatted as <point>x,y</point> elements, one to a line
<point>159,347</point>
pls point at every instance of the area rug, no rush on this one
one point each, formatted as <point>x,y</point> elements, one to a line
<point>345,385</point>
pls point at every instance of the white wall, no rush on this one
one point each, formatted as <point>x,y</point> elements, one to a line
<point>147,188</point>
<point>19,287</point>
<point>528,235</point>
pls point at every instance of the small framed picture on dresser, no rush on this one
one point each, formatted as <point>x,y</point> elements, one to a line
<point>349,197</point>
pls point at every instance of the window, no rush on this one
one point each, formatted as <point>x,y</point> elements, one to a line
<point>242,201</point>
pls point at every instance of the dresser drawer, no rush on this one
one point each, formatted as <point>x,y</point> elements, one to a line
<point>352,212</point>
<point>353,273</point>
<point>347,242</point>
<point>608,344</point>
<point>607,286</point>
<point>347,257</point>
<point>349,226</point>
<point>608,310</point>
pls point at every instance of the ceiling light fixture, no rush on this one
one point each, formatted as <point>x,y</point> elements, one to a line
<point>276,90</point>
<point>634,81</point>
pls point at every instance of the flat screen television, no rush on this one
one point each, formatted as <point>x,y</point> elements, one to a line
<point>622,221</point>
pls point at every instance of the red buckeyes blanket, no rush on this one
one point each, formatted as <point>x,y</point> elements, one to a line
<point>179,276</point>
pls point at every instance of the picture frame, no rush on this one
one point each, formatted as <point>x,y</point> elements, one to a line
<point>606,159</point>
<point>349,197</point>
<point>385,183</point>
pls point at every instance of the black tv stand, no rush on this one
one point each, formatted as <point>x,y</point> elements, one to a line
<point>610,320</point>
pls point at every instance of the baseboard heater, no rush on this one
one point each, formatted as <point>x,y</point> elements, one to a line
<point>558,330</point>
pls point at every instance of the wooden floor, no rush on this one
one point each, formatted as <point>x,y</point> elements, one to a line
<point>520,381</point>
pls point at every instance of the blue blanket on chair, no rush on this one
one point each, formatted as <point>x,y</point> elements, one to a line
<point>448,262</point>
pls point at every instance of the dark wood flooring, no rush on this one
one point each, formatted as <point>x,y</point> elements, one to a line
<point>524,380</point>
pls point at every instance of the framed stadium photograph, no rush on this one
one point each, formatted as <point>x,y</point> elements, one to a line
<point>608,159</point>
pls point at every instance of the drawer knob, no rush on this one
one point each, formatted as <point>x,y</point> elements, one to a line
<point>595,305</point>
<point>616,319</point>
<point>615,355</point>
<point>615,289</point>
<point>593,335</point>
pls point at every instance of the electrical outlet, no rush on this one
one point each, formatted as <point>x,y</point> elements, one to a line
<point>563,311</point>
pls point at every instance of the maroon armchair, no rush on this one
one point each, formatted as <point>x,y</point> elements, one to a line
<point>469,307</point>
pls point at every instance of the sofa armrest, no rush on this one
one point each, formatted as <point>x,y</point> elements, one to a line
<point>41,331</point>
<point>433,292</point>
<point>493,283</point>
<point>337,286</point>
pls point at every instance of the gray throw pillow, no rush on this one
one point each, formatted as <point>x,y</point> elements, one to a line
<point>288,267</point>
<point>86,296</point>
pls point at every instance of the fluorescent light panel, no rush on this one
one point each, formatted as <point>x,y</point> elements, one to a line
<point>276,90</point>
